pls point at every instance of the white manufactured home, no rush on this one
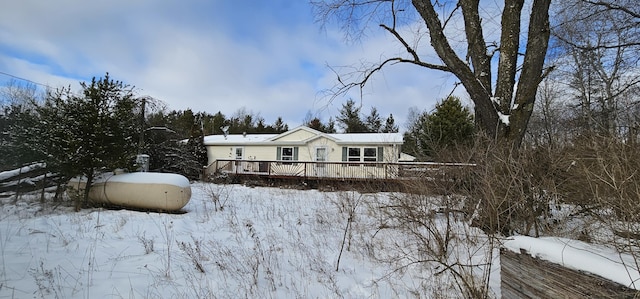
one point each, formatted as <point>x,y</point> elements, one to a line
<point>305,152</point>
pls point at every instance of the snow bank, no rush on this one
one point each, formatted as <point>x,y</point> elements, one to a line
<point>599,260</point>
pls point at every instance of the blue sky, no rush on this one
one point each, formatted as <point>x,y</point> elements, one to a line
<point>269,57</point>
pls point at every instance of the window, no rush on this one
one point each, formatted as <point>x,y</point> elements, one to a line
<point>370,154</point>
<point>321,154</point>
<point>354,154</point>
<point>362,154</point>
<point>287,154</point>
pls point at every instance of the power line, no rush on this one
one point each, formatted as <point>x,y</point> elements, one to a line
<point>23,79</point>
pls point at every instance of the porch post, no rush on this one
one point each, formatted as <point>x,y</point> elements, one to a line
<point>386,171</point>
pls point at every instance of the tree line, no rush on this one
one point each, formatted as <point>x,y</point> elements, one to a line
<point>351,119</point>
<point>105,125</point>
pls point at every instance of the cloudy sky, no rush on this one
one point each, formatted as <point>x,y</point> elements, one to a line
<point>269,57</point>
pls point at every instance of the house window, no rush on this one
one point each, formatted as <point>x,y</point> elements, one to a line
<point>354,154</point>
<point>287,154</point>
<point>362,154</point>
<point>239,154</point>
<point>370,154</point>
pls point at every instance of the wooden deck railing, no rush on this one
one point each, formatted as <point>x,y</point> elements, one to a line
<point>331,170</point>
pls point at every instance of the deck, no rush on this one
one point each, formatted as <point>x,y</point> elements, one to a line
<point>310,170</point>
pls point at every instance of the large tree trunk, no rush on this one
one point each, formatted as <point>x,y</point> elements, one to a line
<point>503,114</point>
<point>532,70</point>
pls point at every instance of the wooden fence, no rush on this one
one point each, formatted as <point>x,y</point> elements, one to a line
<point>25,179</point>
<point>523,276</point>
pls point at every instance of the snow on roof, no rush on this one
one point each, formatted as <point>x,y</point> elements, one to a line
<point>340,138</point>
<point>237,138</point>
<point>406,157</point>
<point>368,137</point>
<point>597,259</point>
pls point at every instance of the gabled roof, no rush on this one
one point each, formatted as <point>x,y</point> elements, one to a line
<point>273,139</point>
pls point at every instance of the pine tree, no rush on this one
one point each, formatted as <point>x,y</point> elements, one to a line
<point>217,122</point>
<point>390,125</point>
<point>373,122</point>
<point>449,125</point>
<point>349,119</point>
<point>279,126</point>
<point>316,124</point>
<point>414,141</point>
<point>331,126</point>
<point>93,131</point>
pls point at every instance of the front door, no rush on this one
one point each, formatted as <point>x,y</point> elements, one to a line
<point>321,157</point>
<point>238,155</point>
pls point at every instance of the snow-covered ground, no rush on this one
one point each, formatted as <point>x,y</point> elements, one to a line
<point>234,241</point>
<point>262,243</point>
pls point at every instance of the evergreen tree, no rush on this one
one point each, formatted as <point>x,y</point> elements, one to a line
<point>279,126</point>
<point>414,142</point>
<point>183,122</point>
<point>166,147</point>
<point>317,124</point>
<point>210,123</point>
<point>390,125</point>
<point>449,125</point>
<point>17,113</point>
<point>261,127</point>
<point>194,156</point>
<point>373,122</point>
<point>217,122</point>
<point>349,119</point>
<point>331,126</point>
<point>22,137</point>
<point>91,132</point>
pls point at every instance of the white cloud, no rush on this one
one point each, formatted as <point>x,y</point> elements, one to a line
<point>189,58</point>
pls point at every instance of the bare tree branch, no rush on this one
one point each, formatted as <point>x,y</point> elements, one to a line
<point>416,59</point>
<point>614,6</point>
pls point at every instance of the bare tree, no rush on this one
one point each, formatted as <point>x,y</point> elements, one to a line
<point>600,42</point>
<point>504,102</point>
<point>626,13</point>
<point>548,124</point>
<point>16,93</point>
